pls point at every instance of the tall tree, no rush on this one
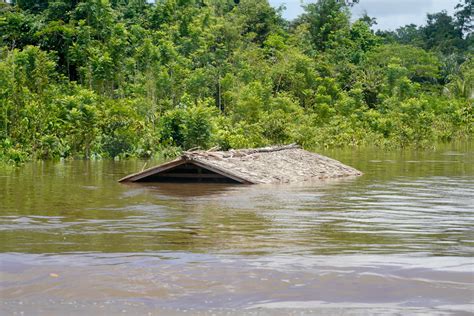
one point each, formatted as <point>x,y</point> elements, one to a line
<point>324,18</point>
<point>441,33</point>
<point>465,16</point>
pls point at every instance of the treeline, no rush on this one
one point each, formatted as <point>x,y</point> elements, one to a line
<point>119,78</point>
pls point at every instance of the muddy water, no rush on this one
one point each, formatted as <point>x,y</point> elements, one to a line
<point>397,240</point>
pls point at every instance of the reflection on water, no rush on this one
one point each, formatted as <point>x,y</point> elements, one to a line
<point>398,239</point>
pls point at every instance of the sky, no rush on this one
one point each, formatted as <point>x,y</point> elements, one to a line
<point>390,14</point>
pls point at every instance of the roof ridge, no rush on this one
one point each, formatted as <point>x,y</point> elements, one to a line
<point>236,152</point>
<point>272,148</point>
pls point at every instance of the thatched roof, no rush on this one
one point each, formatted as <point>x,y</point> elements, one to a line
<point>283,164</point>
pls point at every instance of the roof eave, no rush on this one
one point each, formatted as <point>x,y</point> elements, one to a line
<point>153,170</point>
<point>182,160</point>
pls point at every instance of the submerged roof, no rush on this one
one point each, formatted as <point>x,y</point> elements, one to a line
<point>282,164</point>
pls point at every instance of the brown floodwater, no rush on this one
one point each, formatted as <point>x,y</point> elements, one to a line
<point>398,240</point>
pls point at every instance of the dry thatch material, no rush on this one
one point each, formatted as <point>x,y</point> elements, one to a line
<point>282,164</point>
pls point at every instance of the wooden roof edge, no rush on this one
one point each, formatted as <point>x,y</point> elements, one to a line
<point>179,161</point>
<point>147,172</point>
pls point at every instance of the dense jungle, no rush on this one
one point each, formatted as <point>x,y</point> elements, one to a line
<point>128,78</point>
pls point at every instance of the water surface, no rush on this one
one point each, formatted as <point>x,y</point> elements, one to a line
<point>397,240</point>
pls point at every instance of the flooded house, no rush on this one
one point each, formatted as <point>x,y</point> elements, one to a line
<point>279,164</point>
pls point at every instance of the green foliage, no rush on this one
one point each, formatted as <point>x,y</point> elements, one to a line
<point>461,84</point>
<point>464,16</point>
<point>188,126</point>
<point>117,79</point>
<point>238,135</point>
<point>325,20</point>
<point>441,33</point>
<point>120,129</point>
<point>421,66</point>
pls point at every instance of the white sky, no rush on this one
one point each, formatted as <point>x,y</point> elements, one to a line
<point>390,14</point>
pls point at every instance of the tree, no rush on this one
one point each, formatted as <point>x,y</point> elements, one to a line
<point>410,34</point>
<point>31,5</point>
<point>422,66</point>
<point>461,85</point>
<point>324,19</point>
<point>57,37</point>
<point>464,16</point>
<point>370,21</point>
<point>257,19</point>
<point>17,28</point>
<point>441,33</point>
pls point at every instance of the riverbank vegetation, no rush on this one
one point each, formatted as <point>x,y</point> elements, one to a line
<point>121,78</point>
